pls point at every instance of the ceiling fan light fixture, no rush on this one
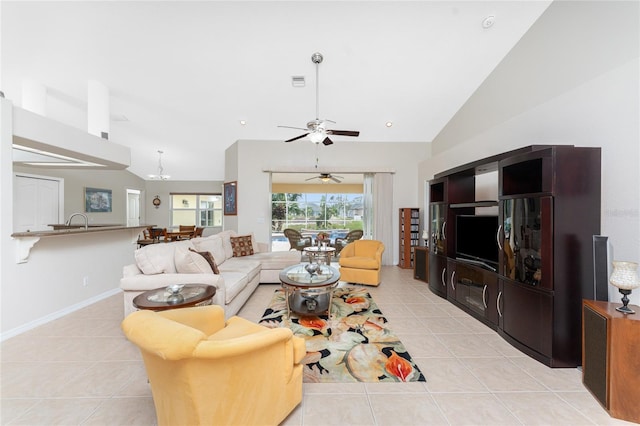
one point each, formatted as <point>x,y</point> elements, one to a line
<point>317,137</point>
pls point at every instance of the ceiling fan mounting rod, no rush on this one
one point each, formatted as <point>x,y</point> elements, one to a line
<point>317,58</point>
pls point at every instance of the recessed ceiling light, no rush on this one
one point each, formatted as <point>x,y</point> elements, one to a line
<point>243,122</point>
<point>389,123</point>
<point>488,21</point>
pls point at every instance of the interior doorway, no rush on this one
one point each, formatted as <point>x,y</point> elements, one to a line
<point>133,207</point>
<point>38,201</point>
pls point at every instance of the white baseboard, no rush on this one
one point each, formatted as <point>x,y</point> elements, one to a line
<point>55,315</point>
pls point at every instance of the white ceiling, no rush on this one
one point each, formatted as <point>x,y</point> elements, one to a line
<point>181,75</point>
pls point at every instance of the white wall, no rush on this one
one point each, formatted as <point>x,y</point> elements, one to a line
<point>254,191</point>
<point>594,103</point>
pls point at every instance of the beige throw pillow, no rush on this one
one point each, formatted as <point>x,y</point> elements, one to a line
<point>190,262</point>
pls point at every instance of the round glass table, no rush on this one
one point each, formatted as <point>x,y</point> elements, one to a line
<point>309,293</point>
<point>163,298</point>
<point>320,254</point>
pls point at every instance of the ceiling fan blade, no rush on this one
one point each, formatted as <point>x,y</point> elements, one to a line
<point>333,178</point>
<point>291,127</point>
<point>327,141</point>
<point>311,178</point>
<point>343,132</point>
<point>296,138</point>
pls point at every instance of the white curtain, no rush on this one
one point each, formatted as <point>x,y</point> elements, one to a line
<point>383,214</point>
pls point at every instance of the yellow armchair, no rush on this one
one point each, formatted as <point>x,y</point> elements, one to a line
<point>203,371</point>
<point>361,262</point>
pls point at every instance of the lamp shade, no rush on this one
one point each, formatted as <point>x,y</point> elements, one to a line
<point>624,275</point>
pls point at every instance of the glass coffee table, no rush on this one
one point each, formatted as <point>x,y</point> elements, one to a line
<point>176,296</point>
<point>309,293</point>
<point>320,254</point>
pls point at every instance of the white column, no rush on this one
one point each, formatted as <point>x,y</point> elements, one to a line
<point>98,109</point>
<point>34,96</point>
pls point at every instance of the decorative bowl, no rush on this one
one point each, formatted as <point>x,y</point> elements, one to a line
<point>312,268</point>
<point>175,288</point>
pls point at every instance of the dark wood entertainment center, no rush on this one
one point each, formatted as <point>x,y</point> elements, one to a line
<point>549,211</point>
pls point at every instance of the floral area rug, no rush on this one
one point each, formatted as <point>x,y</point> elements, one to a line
<point>354,345</point>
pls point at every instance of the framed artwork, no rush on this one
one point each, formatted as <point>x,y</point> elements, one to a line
<point>230,198</point>
<point>97,200</point>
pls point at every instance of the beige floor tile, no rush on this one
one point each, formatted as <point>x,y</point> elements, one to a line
<point>424,346</point>
<point>337,409</point>
<point>556,379</point>
<point>39,380</point>
<point>11,409</point>
<point>444,325</point>
<point>102,379</point>
<point>586,404</point>
<point>547,409</point>
<point>58,412</point>
<point>386,388</point>
<point>334,388</point>
<point>501,375</point>
<point>405,409</point>
<point>427,310</point>
<point>474,409</point>
<point>124,411</point>
<point>468,345</point>
<point>449,375</point>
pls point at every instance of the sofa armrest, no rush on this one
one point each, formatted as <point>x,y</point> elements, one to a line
<point>263,247</point>
<point>142,282</point>
<point>130,270</point>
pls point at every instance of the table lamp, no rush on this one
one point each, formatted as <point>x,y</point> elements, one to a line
<point>625,277</point>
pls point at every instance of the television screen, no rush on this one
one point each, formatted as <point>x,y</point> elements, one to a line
<point>476,238</point>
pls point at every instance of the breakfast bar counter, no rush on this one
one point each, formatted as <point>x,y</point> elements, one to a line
<point>26,240</point>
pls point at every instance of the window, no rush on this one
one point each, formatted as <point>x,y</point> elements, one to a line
<point>316,211</point>
<point>202,210</point>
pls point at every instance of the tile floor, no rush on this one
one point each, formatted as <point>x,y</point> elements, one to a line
<point>80,370</point>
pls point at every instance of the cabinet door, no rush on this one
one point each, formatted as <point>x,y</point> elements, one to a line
<point>438,274</point>
<point>437,227</point>
<point>527,315</point>
<point>527,240</point>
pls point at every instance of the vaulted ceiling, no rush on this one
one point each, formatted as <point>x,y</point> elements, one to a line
<point>182,76</point>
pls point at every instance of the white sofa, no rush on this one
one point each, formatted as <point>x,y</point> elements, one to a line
<point>163,264</point>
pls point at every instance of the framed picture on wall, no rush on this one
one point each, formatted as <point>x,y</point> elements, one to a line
<point>97,200</point>
<point>230,198</point>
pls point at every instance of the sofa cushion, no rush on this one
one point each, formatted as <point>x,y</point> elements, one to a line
<point>241,245</point>
<point>158,258</point>
<point>277,260</point>
<point>234,283</point>
<point>190,262</point>
<point>245,264</point>
<point>213,244</point>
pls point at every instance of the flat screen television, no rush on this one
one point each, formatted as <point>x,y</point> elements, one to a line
<point>476,240</point>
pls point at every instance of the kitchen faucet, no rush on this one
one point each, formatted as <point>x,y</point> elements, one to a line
<point>86,220</point>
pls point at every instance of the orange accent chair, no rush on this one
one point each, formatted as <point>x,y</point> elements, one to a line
<point>361,262</point>
<point>203,371</point>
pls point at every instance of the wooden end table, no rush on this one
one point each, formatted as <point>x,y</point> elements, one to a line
<point>161,299</point>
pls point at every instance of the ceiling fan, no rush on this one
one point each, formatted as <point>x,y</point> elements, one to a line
<point>317,129</point>
<point>326,177</point>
